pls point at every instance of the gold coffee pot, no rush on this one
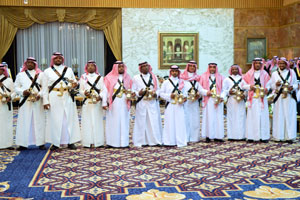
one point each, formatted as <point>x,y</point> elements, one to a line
<point>214,91</point>
<point>180,99</point>
<point>262,92</point>
<point>33,95</point>
<point>238,94</point>
<point>259,92</point>
<point>93,96</point>
<point>285,90</point>
<point>129,95</point>
<point>3,96</point>
<point>192,95</point>
<point>175,100</point>
<point>149,94</point>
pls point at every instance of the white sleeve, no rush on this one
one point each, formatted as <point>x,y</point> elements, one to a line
<point>45,89</point>
<point>103,93</point>
<point>163,91</point>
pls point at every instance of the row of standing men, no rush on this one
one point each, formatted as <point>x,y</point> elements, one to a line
<point>111,96</point>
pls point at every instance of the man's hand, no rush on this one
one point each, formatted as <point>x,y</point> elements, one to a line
<point>142,92</point>
<point>74,85</point>
<point>26,93</point>
<point>291,88</point>
<point>278,83</point>
<point>38,97</point>
<point>99,98</point>
<point>252,88</point>
<point>266,91</point>
<point>173,96</point>
<point>105,107</point>
<point>8,99</point>
<point>154,94</point>
<point>47,106</point>
<point>87,93</point>
<point>231,92</point>
<point>208,93</point>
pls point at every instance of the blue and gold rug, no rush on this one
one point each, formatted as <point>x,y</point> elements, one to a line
<point>230,170</point>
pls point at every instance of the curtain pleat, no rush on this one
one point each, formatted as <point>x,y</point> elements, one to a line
<point>109,20</point>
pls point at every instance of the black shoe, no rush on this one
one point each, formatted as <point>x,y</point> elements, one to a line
<point>265,141</point>
<point>207,140</point>
<point>231,140</point>
<point>21,148</point>
<point>53,147</point>
<point>250,141</point>
<point>218,140</point>
<point>42,147</point>
<point>10,148</point>
<point>290,141</point>
<point>72,146</point>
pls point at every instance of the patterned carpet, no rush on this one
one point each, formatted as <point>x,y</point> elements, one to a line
<point>230,170</point>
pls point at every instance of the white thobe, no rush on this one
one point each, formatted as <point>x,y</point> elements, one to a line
<point>236,111</point>
<point>147,125</point>
<point>92,124</point>
<point>285,109</point>
<point>174,131</point>
<point>192,112</point>
<point>31,116</point>
<point>62,124</point>
<point>213,117</point>
<point>257,121</point>
<point>6,116</point>
<point>117,121</point>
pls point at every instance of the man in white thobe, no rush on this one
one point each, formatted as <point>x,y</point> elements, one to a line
<point>284,82</point>
<point>93,89</point>
<point>192,107</point>
<point>62,125</point>
<point>213,106</point>
<point>6,109</point>
<point>236,107</point>
<point>117,83</point>
<point>31,116</point>
<point>257,121</point>
<point>147,125</point>
<point>173,92</point>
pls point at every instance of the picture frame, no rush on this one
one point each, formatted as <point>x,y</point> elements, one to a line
<point>177,49</point>
<point>256,48</point>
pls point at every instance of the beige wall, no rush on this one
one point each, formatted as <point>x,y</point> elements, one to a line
<point>280,26</point>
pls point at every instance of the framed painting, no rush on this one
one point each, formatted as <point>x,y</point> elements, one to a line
<point>177,49</point>
<point>256,48</point>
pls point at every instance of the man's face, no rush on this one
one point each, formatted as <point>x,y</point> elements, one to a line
<point>191,68</point>
<point>91,68</point>
<point>145,68</point>
<point>257,65</point>
<point>212,69</point>
<point>30,65</point>
<point>174,72</point>
<point>234,70</point>
<point>291,63</point>
<point>121,69</point>
<point>281,65</point>
<point>58,60</point>
<point>1,71</point>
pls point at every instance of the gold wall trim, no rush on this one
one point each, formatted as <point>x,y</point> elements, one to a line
<point>289,2</point>
<point>282,26</point>
<point>148,3</point>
